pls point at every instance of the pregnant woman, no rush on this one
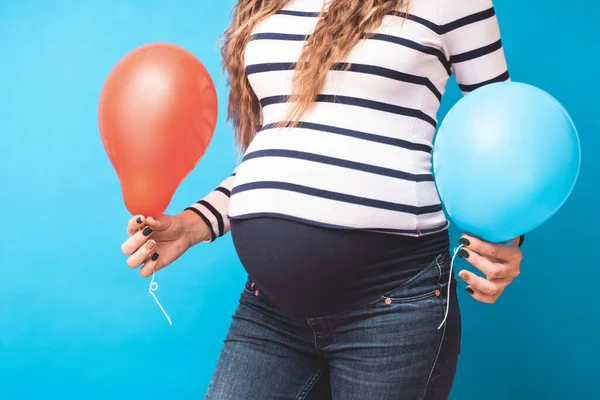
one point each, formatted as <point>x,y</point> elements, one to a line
<point>333,209</point>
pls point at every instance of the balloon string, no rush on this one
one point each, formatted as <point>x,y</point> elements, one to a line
<point>153,288</point>
<point>450,284</point>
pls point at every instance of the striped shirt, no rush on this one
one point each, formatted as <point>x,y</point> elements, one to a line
<point>361,156</point>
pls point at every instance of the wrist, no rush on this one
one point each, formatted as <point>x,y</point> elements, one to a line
<point>194,227</point>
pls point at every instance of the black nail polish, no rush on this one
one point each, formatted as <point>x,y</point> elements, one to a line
<point>147,231</point>
<point>139,220</point>
<point>463,253</point>
<point>469,290</point>
<point>154,256</point>
<point>464,241</point>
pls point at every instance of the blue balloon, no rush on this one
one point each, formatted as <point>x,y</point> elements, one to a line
<point>505,160</point>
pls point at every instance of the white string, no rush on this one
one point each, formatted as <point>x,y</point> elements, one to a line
<point>449,284</point>
<point>153,288</point>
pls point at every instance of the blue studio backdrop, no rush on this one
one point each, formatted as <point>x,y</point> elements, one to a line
<point>76,323</point>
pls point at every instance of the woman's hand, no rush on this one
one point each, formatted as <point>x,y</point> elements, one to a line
<point>500,263</point>
<point>156,243</point>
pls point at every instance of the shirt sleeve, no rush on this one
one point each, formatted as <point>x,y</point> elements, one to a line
<point>472,42</point>
<point>471,37</point>
<point>214,207</point>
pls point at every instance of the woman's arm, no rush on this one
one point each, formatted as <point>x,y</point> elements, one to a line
<point>212,209</point>
<point>472,42</point>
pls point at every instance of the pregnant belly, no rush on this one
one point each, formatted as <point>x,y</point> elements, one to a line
<point>309,270</point>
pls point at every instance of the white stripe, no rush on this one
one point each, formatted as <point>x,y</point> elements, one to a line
<point>328,212</point>
<point>353,117</point>
<point>287,24</point>
<point>328,177</point>
<point>353,84</point>
<point>481,69</point>
<point>304,5</point>
<point>337,146</point>
<point>473,36</point>
<point>452,10</point>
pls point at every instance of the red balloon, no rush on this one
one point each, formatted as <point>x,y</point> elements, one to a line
<point>157,115</point>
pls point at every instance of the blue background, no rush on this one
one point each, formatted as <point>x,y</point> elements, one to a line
<point>76,323</point>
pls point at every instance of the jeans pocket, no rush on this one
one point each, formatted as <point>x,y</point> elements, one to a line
<point>429,282</point>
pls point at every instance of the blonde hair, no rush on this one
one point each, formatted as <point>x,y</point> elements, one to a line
<point>337,32</point>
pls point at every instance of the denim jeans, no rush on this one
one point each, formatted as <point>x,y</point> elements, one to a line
<point>390,348</point>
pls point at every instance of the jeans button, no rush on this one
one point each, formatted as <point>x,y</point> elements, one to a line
<point>256,293</point>
<point>438,293</point>
<point>388,301</point>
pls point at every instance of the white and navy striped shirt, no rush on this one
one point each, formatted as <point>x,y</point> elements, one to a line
<point>361,157</point>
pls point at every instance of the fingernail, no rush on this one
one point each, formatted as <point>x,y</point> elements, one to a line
<point>463,253</point>
<point>147,231</point>
<point>150,245</point>
<point>464,241</point>
<point>469,290</point>
<point>154,256</point>
<point>139,220</point>
<point>464,276</point>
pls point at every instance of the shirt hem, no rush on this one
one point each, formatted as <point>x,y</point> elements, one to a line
<point>396,231</point>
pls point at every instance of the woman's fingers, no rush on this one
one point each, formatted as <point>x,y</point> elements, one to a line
<point>135,224</point>
<point>500,263</point>
<point>131,245</point>
<point>504,252</point>
<point>484,298</point>
<point>141,254</point>
<point>142,248</point>
<point>150,266</point>
<point>482,289</point>
<point>161,224</point>
<point>491,269</point>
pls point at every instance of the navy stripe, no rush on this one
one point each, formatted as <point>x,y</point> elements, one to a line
<point>346,198</point>
<point>359,135</point>
<point>473,54</point>
<point>439,29</point>
<point>358,102</point>
<point>224,191</point>
<point>415,232</point>
<point>389,73</point>
<point>468,20</point>
<point>428,24</point>
<point>298,13</point>
<point>415,46</point>
<point>279,36</point>
<point>269,67</point>
<point>213,236</point>
<point>218,216</point>
<point>431,25</point>
<point>338,162</point>
<point>378,36</point>
<point>359,68</point>
<point>500,78</point>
